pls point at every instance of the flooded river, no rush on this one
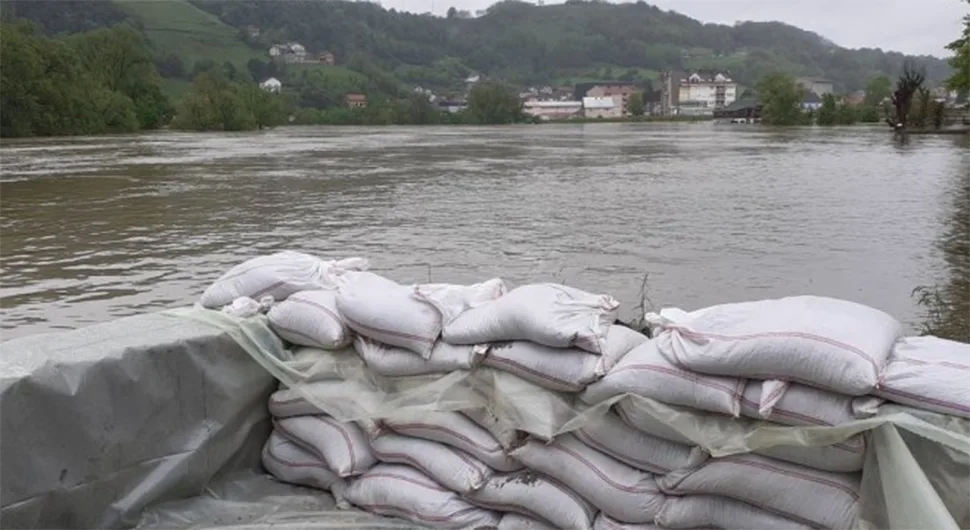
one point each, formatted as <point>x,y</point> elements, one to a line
<point>98,228</point>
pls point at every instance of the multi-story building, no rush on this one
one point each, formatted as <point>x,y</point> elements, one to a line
<point>620,90</point>
<point>698,93</point>
<point>603,107</point>
<point>553,110</point>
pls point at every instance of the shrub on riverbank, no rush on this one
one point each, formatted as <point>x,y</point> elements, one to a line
<point>218,104</point>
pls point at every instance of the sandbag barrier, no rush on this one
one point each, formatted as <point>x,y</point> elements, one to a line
<point>480,460</point>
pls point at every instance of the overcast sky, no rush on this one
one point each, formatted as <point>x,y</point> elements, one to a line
<point>910,26</point>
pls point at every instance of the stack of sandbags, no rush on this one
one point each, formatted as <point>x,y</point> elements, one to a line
<point>928,373</point>
<point>797,361</point>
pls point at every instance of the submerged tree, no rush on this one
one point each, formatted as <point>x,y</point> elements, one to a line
<point>902,98</point>
<point>780,99</point>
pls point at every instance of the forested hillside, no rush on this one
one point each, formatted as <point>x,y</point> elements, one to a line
<point>528,44</point>
<point>517,42</point>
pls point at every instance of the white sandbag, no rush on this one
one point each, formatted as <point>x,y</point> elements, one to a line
<point>622,492</point>
<point>402,491</point>
<point>605,522</point>
<point>632,415</point>
<point>343,446</point>
<point>833,344</point>
<point>646,372</point>
<point>504,434</point>
<point>392,361</point>
<point>610,435</point>
<point>844,457</point>
<point>817,498</point>
<point>450,467</point>
<point>549,314</point>
<point>535,496</point>
<point>310,318</point>
<point>452,300</point>
<point>456,430</point>
<point>278,275</point>
<point>290,463</point>
<point>562,369</point>
<point>289,402</point>
<point>929,373</point>
<point>710,511</point>
<point>388,312</point>
<point>800,405</point>
<point>515,521</point>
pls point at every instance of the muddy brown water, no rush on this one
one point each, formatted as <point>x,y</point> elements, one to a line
<point>102,227</point>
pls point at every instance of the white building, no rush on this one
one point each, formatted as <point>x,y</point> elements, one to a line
<point>271,85</point>
<point>701,94</point>
<point>276,50</point>
<point>553,110</point>
<point>817,86</point>
<point>603,107</point>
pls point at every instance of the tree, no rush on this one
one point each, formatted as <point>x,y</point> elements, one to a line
<point>919,113</point>
<point>493,103</point>
<point>878,89</point>
<point>635,106</point>
<point>960,62</point>
<point>827,113</point>
<point>452,12</point>
<point>117,57</point>
<point>907,85</point>
<point>780,99</point>
<point>847,115</point>
<point>267,108</point>
<point>215,104</point>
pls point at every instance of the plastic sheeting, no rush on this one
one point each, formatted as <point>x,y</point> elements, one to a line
<point>169,414</point>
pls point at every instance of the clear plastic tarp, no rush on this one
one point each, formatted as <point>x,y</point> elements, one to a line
<point>916,475</point>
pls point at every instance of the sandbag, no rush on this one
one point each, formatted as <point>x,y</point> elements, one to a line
<point>610,435</point>
<point>928,373</point>
<point>450,467</point>
<point>707,511</point>
<point>630,413</point>
<point>562,369</point>
<point>622,492</point>
<point>549,314</point>
<point>515,521</point>
<point>290,463</point>
<point>383,310</point>
<point>402,491</point>
<point>504,434</point>
<point>452,300</point>
<point>800,405</point>
<point>392,361</point>
<point>815,498</point>
<point>844,457</point>
<point>535,496</point>
<point>278,275</point>
<point>456,430</point>
<point>832,344</point>
<point>310,318</point>
<point>343,446</point>
<point>646,372</point>
<point>605,522</point>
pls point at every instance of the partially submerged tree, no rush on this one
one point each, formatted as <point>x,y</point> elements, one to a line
<point>907,85</point>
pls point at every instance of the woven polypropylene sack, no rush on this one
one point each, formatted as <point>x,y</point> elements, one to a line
<point>611,435</point>
<point>843,457</point>
<point>825,342</point>
<point>383,310</point>
<point>817,498</point>
<point>504,434</point>
<point>538,497</point>
<point>291,463</point>
<point>549,314</point>
<point>392,361</point>
<point>515,521</point>
<point>800,405</point>
<point>452,300</point>
<point>402,491</point>
<point>450,467</point>
<point>605,522</point>
<point>623,492</point>
<point>455,430</point>
<point>707,511</point>
<point>562,369</point>
<point>646,372</point>
<point>278,275</point>
<point>929,373</point>
<point>630,413</point>
<point>343,446</point>
<point>310,318</point>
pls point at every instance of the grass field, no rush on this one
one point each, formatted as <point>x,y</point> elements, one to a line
<point>178,27</point>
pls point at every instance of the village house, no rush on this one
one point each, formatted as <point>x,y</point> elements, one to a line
<point>327,58</point>
<point>292,52</point>
<point>602,107</point>
<point>553,110</point>
<point>815,85</point>
<point>811,101</point>
<point>699,93</point>
<point>451,105</point>
<point>271,85</point>
<point>619,90</point>
<point>356,101</point>
<point>854,99</point>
